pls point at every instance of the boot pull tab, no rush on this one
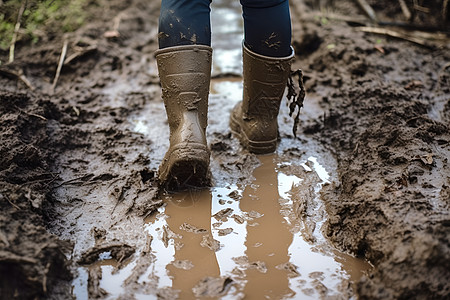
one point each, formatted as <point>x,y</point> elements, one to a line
<point>295,97</point>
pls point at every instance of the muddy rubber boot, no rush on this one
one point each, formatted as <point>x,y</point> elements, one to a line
<point>185,73</point>
<point>254,119</point>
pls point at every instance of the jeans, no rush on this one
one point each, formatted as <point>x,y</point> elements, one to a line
<point>267,25</point>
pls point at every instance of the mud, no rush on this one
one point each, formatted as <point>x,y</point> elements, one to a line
<point>367,175</point>
<point>392,146</point>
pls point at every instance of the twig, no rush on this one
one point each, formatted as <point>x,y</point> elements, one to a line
<point>405,9</point>
<point>83,178</point>
<point>116,21</point>
<point>8,257</point>
<point>395,34</point>
<point>44,280</point>
<point>43,179</point>
<point>18,75</point>
<point>14,205</point>
<point>368,10</point>
<point>421,8</point>
<point>412,26</point>
<point>80,53</point>
<point>33,115</point>
<point>114,33</point>
<point>37,116</point>
<point>60,64</point>
<point>445,10</point>
<point>362,21</point>
<point>16,31</point>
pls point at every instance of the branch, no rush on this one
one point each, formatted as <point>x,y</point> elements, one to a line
<point>60,64</point>
<point>16,31</point>
<point>17,75</point>
<point>396,34</point>
<point>368,10</point>
<point>405,9</point>
<point>445,10</point>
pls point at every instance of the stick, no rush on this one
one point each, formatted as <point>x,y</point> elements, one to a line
<point>114,33</point>
<point>421,8</point>
<point>411,26</point>
<point>368,10</point>
<point>359,20</point>
<point>405,9</point>
<point>16,31</point>
<point>395,34</point>
<point>362,21</point>
<point>18,75</point>
<point>445,10</point>
<point>83,178</point>
<point>60,64</point>
<point>80,53</point>
<point>15,206</point>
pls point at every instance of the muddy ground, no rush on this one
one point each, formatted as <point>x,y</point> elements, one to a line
<point>385,117</point>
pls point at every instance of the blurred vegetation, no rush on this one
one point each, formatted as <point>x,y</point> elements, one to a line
<point>41,18</point>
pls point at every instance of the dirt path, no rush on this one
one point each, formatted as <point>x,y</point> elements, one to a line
<point>77,167</point>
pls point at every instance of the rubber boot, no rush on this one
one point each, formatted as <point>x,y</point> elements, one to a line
<point>254,119</point>
<point>185,73</point>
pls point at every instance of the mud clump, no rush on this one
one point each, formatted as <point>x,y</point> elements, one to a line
<point>32,261</point>
<point>119,252</point>
<point>46,143</point>
<point>212,287</point>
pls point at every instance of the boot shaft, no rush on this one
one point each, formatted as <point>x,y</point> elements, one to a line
<point>185,73</point>
<point>265,81</point>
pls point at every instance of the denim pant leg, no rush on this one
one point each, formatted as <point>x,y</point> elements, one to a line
<point>267,27</point>
<point>184,22</point>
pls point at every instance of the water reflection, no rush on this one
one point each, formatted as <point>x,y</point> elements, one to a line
<point>190,223</point>
<point>247,236</point>
<point>268,236</point>
<point>265,236</point>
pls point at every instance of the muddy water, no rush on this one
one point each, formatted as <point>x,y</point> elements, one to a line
<point>252,234</point>
<point>253,239</point>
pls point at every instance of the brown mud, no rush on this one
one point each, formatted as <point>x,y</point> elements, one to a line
<point>78,192</point>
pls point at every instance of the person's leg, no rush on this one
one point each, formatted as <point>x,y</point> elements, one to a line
<point>184,65</point>
<point>184,22</point>
<point>267,56</point>
<point>267,27</point>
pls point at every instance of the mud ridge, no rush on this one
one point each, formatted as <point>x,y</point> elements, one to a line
<point>392,203</point>
<point>32,261</point>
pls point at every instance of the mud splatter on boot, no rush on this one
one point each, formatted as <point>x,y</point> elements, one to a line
<point>254,119</point>
<point>185,72</point>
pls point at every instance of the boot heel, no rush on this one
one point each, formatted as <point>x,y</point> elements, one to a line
<point>186,167</point>
<point>257,147</point>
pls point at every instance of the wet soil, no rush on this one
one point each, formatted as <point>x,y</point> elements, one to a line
<point>80,203</point>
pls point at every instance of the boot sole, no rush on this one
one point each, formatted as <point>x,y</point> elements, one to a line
<point>257,147</point>
<point>186,167</point>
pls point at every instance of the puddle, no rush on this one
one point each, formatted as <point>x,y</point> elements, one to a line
<point>435,111</point>
<point>226,39</point>
<point>250,234</point>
